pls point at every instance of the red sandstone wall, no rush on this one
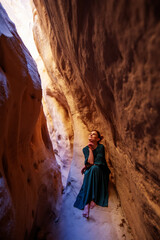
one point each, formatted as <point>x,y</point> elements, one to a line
<point>103,59</point>
<point>30,182</point>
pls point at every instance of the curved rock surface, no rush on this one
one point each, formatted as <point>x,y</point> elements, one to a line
<point>103,60</point>
<point>30,181</point>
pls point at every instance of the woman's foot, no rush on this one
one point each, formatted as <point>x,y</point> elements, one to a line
<point>92,204</point>
<point>86,211</point>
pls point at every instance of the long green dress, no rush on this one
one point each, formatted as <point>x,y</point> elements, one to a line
<point>95,182</point>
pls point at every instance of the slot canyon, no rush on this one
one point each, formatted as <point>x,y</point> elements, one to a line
<point>68,67</point>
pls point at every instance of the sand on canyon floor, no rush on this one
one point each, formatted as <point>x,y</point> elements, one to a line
<point>105,223</point>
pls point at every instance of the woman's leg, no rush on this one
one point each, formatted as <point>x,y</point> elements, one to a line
<point>92,204</point>
<point>86,211</point>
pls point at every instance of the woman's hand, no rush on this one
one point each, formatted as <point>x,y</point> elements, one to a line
<point>83,170</point>
<point>90,145</point>
<point>87,166</point>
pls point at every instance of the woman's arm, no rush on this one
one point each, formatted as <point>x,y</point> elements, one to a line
<point>91,157</point>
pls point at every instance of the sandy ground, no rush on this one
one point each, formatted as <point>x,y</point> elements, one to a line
<point>105,223</point>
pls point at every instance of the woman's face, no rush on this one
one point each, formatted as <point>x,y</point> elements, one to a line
<point>93,137</point>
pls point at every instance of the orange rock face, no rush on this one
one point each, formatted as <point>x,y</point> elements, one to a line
<point>30,182</point>
<point>103,59</point>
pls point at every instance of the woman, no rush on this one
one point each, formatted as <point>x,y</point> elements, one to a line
<point>94,189</point>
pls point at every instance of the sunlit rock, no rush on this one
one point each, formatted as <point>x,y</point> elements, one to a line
<point>30,181</point>
<point>57,115</point>
<point>103,61</point>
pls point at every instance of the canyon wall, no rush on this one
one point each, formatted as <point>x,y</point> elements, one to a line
<point>30,181</point>
<point>103,61</point>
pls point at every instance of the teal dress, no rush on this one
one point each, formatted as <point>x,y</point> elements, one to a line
<point>95,182</point>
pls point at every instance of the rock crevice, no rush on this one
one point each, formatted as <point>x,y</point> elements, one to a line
<point>30,181</point>
<point>106,59</point>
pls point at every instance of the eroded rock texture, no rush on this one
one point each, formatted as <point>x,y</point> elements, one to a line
<point>103,60</point>
<point>30,182</point>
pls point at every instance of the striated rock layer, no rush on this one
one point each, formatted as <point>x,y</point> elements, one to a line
<point>30,181</point>
<point>103,61</point>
